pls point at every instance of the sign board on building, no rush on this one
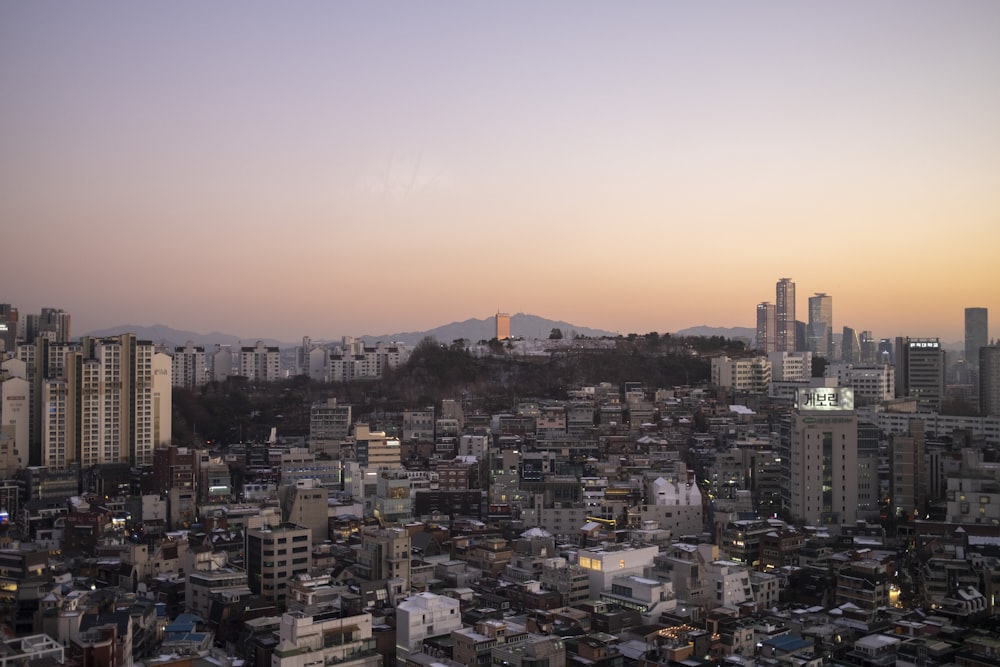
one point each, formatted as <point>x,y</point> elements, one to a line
<point>824,398</point>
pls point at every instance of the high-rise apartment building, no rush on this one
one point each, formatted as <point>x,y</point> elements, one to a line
<point>222,363</point>
<point>189,367</point>
<point>260,363</point>
<point>104,400</point>
<point>784,304</point>
<point>989,380</point>
<point>820,330</point>
<point>767,334</point>
<point>976,334</point>
<point>819,457</point>
<point>14,424</point>
<point>920,365</point>
<point>503,326</point>
<point>8,327</point>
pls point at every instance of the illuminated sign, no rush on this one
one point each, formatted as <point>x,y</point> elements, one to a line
<point>824,398</point>
<point>925,343</point>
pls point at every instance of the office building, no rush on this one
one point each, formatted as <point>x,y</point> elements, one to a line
<point>305,503</point>
<point>850,346</point>
<point>418,425</point>
<point>373,449</point>
<point>790,366</point>
<point>976,334</point>
<point>384,556</point>
<point>871,384</point>
<point>920,364</point>
<point>908,481</point>
<point>818,444</point>
<point>275,554</point>
<point>869,492</point>
<point>502,326</point>
<point>820,330</point>
<point>329,420</point>
<point>52,324</point>
<point>784,304</point>
<point>869,348</point>
<point>885,353</point>
<point>766,328</point>
<point>989,380</point>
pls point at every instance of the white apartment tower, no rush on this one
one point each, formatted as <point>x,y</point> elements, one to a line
<point>14,424</point>
<point>189,366</point>
<point>260,363</point>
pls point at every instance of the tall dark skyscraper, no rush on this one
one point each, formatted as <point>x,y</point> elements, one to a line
<point>976,334</point>
<point>850,346</point>
<point>784,304</point>
<point>820,330</point>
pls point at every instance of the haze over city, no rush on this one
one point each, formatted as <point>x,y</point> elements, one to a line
<point>327,169</point>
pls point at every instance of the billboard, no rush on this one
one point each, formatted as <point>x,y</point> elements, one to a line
<point>819,399</point>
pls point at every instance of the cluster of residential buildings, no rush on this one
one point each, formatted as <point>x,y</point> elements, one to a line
<point>766,518</point>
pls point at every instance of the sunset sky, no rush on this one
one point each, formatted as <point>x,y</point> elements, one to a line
<point>346,168</point>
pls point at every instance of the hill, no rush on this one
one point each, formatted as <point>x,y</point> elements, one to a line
<point>170,337</point>
<point>736,333</point>
<point>522,325</point>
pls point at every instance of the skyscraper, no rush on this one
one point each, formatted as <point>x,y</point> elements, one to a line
<point>821,325</point>
<point>766,327</point>
<point>784,303</point>
<point>976,334</point>
<point>503,326</point>
<point>850,346</point>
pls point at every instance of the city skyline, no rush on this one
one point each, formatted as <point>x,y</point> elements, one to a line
<point>330,170</point>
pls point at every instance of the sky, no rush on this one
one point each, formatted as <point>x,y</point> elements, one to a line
<point>346,168</point>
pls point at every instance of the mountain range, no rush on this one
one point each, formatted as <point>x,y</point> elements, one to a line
<point>521,325</point>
